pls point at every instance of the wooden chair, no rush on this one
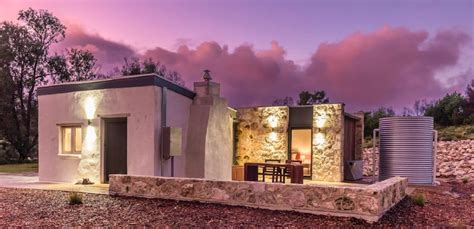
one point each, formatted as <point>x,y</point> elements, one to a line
<point>273,171</point>
<point>287,171</point>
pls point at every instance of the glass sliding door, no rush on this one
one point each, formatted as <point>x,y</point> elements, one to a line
<point>301,148</point>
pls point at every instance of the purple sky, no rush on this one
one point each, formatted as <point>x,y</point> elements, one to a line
<point>363,53</point>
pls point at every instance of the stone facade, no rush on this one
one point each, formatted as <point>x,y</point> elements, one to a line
<point>262,133</point>
<point>366,202</point>
<point>359,135</point>
<point>454,159</point>
<point>328,136</point>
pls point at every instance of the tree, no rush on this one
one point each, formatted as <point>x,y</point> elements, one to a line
<point>135,67</point>
<point>371,119</point>
<point>307,98</point>
<point>447,110</point>
<point>26,46</point>
<point>76,65</point>
<point>407,112</point>
<point>468,107</point>
<point>25,64</point>
<point>419,107</point>
<point>286,101</point>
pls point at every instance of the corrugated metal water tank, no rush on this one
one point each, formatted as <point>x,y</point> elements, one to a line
<point>406,149</point>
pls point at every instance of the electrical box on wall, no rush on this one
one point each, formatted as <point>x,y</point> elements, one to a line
<point>172,142</point>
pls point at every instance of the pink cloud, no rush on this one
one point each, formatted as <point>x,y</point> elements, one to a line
<point>390,66</point>
<point>247,77</point>
<point>109,53</point>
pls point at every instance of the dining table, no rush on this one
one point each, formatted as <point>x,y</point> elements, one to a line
<point>295,171</point>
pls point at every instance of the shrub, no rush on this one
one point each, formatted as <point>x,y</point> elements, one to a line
<point>419,199</point>
<point>75,198</point>
<point>465,180</point>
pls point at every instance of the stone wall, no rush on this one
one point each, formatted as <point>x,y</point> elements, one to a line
<point>328,135</point>
<point>365,202</point>
<point>262,133</point>
<point>454,159</point>
<point>359,135</point>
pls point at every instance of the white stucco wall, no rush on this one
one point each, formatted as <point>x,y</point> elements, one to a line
<point>135,103</point>
<point>177,115</point>
<point>218,153</point>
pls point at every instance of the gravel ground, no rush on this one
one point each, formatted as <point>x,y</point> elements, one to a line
<point>23,207</point>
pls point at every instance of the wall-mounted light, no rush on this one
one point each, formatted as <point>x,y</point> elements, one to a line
<point>319,139</point>
<point>321,120</point>
<point>273,136</point>
<point>89,122</point>
<point>272,121</point>
<point>90,106</point>
<point>90,139</point>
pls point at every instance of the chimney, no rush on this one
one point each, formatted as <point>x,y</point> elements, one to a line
<point>206,91</point>
<point>209,136</point>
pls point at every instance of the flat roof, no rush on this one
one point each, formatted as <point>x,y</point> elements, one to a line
<point>151,79</point>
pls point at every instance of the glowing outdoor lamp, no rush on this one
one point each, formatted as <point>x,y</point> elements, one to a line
<point>90,139</point>
<point>273,136</point>
<point>319,139</point>
<point>90,107</point>
<point>321,120</point>
<point>272,121</point>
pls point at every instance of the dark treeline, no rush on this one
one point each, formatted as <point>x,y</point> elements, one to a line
<point>26,63</point>
<point>453,109</point>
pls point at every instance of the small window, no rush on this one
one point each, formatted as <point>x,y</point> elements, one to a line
<point>71,139</point>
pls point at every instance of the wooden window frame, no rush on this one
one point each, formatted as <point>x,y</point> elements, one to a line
<point>73,139</point>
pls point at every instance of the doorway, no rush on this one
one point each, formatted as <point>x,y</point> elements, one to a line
<point>301,148</point>
<point>115,147</point>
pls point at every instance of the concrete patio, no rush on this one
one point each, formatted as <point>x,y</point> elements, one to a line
<point>30,181</point>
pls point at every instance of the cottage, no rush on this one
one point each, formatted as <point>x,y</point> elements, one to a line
<point>147,125</point>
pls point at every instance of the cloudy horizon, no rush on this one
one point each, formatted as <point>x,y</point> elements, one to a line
<point>388,62</point>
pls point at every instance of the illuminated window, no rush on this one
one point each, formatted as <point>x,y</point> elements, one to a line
<point>71,139</point>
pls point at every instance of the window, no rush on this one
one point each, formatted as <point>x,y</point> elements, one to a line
<point>301,148</point>
<point>71,139</point>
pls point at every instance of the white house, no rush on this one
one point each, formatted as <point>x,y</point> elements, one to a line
<point>147,125</point>
<point>131,125</point>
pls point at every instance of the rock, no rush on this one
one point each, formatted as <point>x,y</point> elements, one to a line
<point>452,194</point>
<point>219,194</point>
<point>454,159</point>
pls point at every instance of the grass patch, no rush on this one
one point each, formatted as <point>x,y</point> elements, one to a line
<point>453,133</point>
<point>19,168</point>
<point>75,198</point>
<point>419,199</point>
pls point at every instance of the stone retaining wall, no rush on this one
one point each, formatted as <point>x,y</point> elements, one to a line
<point>366,202</point>
<point>454,159</point>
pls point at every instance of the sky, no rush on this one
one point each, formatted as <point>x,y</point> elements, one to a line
<point>363,53</point>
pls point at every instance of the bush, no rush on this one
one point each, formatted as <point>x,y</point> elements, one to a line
<point>75,198</point>
<point>454,133</point>
<point>465,180</point>
<point>419,199</point>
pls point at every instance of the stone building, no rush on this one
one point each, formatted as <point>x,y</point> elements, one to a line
<point>327,140</point>
<point>147,125</point>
